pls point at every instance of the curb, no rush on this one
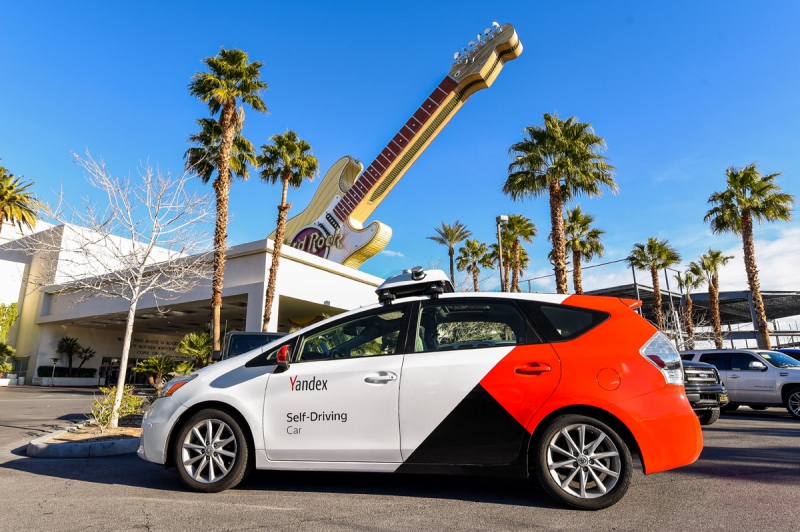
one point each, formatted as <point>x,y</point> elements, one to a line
<point>39,449</point>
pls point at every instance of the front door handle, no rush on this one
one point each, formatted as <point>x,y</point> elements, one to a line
<point>734,376</point>
<point>381,377</point>
<point>532,368</point>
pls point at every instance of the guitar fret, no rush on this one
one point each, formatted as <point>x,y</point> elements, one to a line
<point>368,179</point>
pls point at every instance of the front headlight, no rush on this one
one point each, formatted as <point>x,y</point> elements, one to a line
<point>173,385</point>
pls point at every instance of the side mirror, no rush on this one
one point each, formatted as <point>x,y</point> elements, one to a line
<point>756,364</point>
<point>282,357</point>
<point>216,355</point>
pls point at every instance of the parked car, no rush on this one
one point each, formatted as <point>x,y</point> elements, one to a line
<point>563,388</point>
<point>704,390</point>
<point>755,377</point>
<point>791,351</point>
<point>239,342</point>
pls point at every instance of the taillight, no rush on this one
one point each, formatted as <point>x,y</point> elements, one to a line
<point>660,352</point>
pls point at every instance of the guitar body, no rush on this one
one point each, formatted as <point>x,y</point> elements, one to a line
<point>315,229</point>
<point>332,226</point>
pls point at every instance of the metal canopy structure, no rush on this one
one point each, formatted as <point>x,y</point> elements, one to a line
<point>735,307</point>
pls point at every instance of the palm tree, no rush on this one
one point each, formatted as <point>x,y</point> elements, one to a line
<point>155,368</point>
<point>69,346</point>
<point>707,269</point>
<point>655,255</point>
<point>197,345</point>
<point>508,259</point>
<point>583,241</point>
<point>202,159</point>
<point>289,160</point>
<point>471,257</point>
<point>518,227</point>
<point>450,236</point>
<point>18,206</point>
<point>561,159</point>
<point>749,195</point>
<point>687,282</point>
<point>230,80</point>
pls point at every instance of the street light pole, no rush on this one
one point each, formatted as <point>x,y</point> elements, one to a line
<point>500,219</point>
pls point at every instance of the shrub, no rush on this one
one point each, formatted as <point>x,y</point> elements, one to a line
<point>61,371</point>
<point>5,367</point>
<point>101,407</point>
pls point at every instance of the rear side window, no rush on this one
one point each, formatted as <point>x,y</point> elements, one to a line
<point>559,323</point>
<point>718,360</point>
<point>449,325</point>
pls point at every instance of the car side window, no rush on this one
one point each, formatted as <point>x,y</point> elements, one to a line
<point>718,360</point>
<point>448,325</point>
<point>741,362</point>
<point>559,323</point>
<point>371,335</point>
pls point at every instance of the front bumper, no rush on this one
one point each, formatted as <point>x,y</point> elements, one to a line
<point>705,397</point>
<point>157,425</point>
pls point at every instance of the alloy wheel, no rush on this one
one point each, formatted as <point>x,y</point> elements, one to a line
<point>584,461</point>
<point>209,451</point>
<point>793,403</point>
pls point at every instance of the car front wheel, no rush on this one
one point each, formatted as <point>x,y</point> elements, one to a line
<point>211,452</point>
<point>792,402</point>
<point>583,463</point>
<point>708,417</point>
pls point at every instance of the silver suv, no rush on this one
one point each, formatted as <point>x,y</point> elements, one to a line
<point>755,377</point>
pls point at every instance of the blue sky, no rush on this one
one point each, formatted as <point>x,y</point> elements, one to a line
<point>679,90</point>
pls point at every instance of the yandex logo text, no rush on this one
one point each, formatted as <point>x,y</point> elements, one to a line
<point>308,385</point>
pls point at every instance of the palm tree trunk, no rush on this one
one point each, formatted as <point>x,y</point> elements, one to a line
<point>475,276</point>
<point>657,299</point>
<point>283,209</point>
<point>506,268</point>
<point>557,233</point>
<point>221,186</point>
<point>451,252</point>
<point>577,281</point>
<point>688,318</point>
<point>69,362</point>
<point>752,279</point>
<point>713,303</point>
<point>515,266</point>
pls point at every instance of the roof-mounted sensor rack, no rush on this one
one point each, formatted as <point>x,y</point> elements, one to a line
<point>414,282</point>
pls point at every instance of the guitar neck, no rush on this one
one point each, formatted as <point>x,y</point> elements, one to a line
<point>398,155</point>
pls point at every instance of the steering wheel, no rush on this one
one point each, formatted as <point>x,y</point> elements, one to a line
<point>336,354</point>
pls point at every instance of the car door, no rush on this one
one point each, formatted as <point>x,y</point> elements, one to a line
<point>338,400</point>
<point>749,383</point>
<point>721,361</point>
<point>476,374</point>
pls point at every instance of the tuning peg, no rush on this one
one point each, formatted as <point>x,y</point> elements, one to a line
<point>487,31</point>
<point>495,25</point>
<point>465,49</point>
<point>479,37</point>
<point>473,44</point>
<point>456,55</point>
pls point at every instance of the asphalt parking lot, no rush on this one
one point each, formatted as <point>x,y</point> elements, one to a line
<point>746,479</point>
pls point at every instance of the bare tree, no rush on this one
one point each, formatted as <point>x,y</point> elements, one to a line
<point>702,329</point>
<point>147,236</point>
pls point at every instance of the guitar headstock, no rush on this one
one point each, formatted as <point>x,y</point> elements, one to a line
<point>480,56</point>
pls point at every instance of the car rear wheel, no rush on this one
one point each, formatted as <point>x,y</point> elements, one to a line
<point>709,417</point>
<point>792,402</point>
<point>211,452</point>
<point>583,463</point>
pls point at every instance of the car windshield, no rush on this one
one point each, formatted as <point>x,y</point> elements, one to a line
<point>779,360</point>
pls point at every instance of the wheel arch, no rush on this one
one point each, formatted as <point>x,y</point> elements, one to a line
<point>788,388</point>
<point>192,410</point>
<point>589,411</point>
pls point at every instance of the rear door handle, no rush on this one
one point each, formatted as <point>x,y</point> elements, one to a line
<point>381,377</point>
<point>734,376</point>
<point>532,368</point>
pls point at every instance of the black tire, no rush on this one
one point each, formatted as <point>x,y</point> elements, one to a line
<point>756,407</point>
<point>792,402</point>
<point>709,417</point>
<point>728,408</point>
<point>584,493</point>
<point>200,461</point>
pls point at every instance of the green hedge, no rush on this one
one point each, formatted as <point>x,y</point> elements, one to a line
<point>61,371</point>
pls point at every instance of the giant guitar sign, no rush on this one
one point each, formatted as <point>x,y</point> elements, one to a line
<point>332,226</point>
